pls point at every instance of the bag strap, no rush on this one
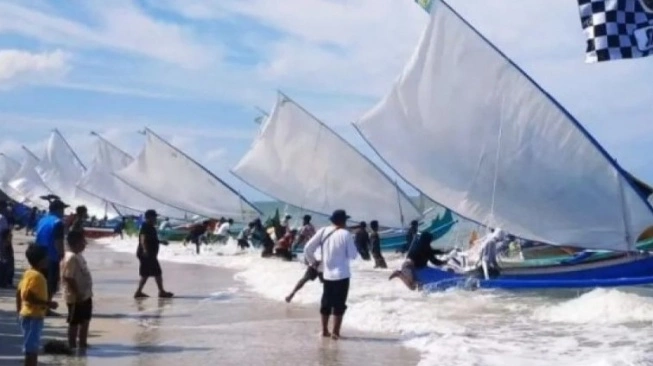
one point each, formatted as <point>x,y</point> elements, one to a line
<point>323,239</point>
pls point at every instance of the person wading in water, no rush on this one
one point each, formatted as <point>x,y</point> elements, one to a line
<point>337,248</point>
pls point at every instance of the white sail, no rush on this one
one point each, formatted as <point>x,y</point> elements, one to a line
<point>467,127</point>
<point>27,184</point>
<point>62,170</point>
<point>99,181</point>
<point>299,160</point>
<point>8,169</point>
<point>166,174</point>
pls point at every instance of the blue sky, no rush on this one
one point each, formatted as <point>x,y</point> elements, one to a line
<point>193,70</point>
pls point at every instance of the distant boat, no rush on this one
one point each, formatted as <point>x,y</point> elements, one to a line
<point>509,156</point>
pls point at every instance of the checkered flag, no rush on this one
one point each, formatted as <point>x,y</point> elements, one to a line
<point>617,29</point>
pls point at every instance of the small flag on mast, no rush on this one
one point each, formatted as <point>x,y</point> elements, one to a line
<point>617,29</point>
<point>426,4</point>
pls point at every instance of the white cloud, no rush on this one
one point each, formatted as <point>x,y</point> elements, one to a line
<point>122,27</point>
<point>18,66</point>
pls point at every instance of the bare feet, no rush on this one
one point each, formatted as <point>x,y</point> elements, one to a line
<point>166,295</point>
<point>140,295</point>
<point>335,336</point>
<point>326,334</point>
<point>394,275</point>
<point>288,298</point>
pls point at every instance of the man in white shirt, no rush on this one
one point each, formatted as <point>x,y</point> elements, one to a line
<point>222,233</point>
<point>337,248</point>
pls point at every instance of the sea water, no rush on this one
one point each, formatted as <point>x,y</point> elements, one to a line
<point>459,327</point>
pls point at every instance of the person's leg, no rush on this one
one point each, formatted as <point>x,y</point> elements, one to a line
<point>11,271</point>
<point>309,275</point>
<point>32,329</point>
<point>340,293</point>
<point>85,323</point>
<point>326,308</point>
<point>73,327</point>
<point>141,284</point>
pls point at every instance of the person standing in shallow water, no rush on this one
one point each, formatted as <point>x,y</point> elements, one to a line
<point>375,243</point>
<point>362,240</point>
<point>147,253</point>
<point>337,249</point>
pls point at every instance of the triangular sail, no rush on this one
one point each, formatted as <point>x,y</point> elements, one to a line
<point>99,181</point>
<point>473,132</point>
<point>27,184</point>
<point>299,160</point>
<point>168,175</point>
<point>62,170</point>
<point>8,169</point>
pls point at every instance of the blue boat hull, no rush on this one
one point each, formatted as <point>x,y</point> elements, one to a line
<point>624,271</point>
<point>439,227</point>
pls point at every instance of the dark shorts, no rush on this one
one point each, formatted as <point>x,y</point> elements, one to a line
<point>311,274</point>
<point>149,267</point>
<point>81,312</point>
<point>334,297</point>
<point>52,277</point>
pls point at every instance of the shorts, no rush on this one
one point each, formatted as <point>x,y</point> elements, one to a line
<point>52,277</point>
<point>311,274</point>
<point>408,270</point>
<point>81,312</point>
<point>149,267</point>
<point>334,297</point>
<point>32,330</point>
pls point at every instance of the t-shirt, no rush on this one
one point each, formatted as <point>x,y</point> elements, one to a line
<point>305,233</point>
<point>223,230</point>
<point>151,240</point>
<point>33,281</point>
<point>74,267</point>
<point>336,252</point>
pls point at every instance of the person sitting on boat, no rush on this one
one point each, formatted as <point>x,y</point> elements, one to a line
<point>362,241</point>
<point>418,256</point>
<point>411,235</point>
<point>305,233</point>
<point>481,257</point>
<point>222,232</point>
<point>282,249</point>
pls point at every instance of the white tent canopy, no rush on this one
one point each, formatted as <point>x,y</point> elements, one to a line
<point>468,128</point>
<point>299,160</point>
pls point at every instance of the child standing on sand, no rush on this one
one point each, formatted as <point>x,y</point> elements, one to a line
<point>32,302</point>
<point>78,290</point>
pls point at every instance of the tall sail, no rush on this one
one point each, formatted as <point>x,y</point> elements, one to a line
<point>8,169</point>
<point>474,133</point>
<point>99,181</point>
<point>168,175</point>
<point>299,160</point>
<point>62,169</point>
<point>27,184</point>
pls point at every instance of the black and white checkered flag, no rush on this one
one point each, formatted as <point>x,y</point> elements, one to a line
<point>617,29</point>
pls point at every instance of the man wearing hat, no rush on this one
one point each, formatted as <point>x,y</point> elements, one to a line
<point>336,247</point>
<point>147,253</point>
<point>50,235</point>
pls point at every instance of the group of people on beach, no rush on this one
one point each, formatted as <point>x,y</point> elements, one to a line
<point>50,262</point>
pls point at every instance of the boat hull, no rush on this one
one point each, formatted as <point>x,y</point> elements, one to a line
<point>623,271</point>
<point>97,232</point>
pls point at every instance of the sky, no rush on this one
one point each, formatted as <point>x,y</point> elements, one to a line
<point>194,71</point>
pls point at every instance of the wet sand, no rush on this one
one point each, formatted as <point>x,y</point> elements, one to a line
<point>212,320</point>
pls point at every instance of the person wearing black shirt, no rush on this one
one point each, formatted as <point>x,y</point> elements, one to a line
<point>362,241</point>
<point>410,237</point>
<point>147,253</point>
<point>375,241</point>
<point>195,234</point>
<point>419,254</point>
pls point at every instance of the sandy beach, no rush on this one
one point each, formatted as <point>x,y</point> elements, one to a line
<point>212,320</point>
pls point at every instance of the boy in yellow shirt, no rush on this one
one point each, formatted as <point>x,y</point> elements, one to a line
<point>32,302</point>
